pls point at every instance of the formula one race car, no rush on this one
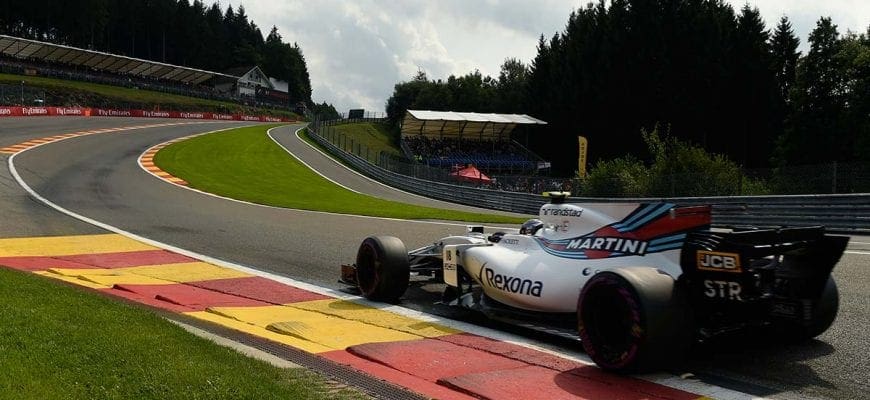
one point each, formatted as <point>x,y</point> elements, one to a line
<point>642,281</point>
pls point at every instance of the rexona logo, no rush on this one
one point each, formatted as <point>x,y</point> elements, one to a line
<point>719,262</point>
<point>511,284</point>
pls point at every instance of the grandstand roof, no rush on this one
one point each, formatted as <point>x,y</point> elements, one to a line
<point>463,124</point>
<point>96,60</point>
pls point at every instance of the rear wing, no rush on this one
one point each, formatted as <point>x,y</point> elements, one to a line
<point>757,265</point>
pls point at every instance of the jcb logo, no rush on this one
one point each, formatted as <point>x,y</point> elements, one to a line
<point>720,262</point>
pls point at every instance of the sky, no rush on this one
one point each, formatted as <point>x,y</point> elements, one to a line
<point>357,50</point>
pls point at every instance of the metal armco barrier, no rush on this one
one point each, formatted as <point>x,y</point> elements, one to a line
<point>845,213</point>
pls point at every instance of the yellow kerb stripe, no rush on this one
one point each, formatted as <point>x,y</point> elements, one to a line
<point>370,315</point>
<point>152,274</point>
<point>69,245</point>
<point>329,331</point>
<point>186,272</point>
<point>72,279</point>
<point>292,341</point>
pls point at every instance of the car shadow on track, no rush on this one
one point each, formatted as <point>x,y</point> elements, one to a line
<point>759,362</point>
<point>756,362</point>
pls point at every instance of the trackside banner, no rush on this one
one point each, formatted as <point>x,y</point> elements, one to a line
<point>102,112</point>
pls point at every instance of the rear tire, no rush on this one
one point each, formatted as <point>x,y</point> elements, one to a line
<point>633,320</point>
<point>382,268</point>
<point>824,312</point>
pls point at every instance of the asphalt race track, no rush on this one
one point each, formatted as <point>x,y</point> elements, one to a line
<point>98,176</point>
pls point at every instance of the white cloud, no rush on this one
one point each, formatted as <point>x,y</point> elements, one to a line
<point>358,50</point>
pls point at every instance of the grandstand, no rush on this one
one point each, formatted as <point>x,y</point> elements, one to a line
<point>32,57</point>
<point>447,139</point>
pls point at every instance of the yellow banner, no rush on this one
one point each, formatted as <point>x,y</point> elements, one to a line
<point>581,161</point>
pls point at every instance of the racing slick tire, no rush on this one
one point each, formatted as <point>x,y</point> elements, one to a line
<point>382,268</point>
<point>824,312</point>
<point>634,319</point>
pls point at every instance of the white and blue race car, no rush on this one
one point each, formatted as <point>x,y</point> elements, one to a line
<point>641,281</point>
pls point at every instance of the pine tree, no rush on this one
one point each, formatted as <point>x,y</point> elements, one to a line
<point>511,87</point>
<point>814,134</point>
<point>784,45</point>
<point>756,90</point>
<point>854,61</point>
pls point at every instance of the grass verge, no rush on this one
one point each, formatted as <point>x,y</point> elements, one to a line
<point>245,164</point>
<point>61,342</point>
<point>85,93</point>
<point>371,135</point>
<point>118,93</point>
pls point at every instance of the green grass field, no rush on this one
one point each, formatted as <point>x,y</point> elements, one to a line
<point>245,164</point>
<point>372,135</point>
<point>60,342</point>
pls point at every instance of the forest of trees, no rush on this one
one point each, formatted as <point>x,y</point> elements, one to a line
<point>171,31</point>
<point>715,77</point>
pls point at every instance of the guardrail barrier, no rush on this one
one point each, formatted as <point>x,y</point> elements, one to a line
<point>846,213</point>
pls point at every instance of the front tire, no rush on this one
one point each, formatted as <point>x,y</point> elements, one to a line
<point>382,268</point>
<point>633,319</point>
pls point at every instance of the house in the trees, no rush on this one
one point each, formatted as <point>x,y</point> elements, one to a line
<point>251,82</point>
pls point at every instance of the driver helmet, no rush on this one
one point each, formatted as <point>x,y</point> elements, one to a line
<point>531,226</point>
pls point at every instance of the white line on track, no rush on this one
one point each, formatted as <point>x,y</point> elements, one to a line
<point>348,169</point>
<point>863,253</point>
<point>574,355</point>
<point>353,171</point>
<point>296,209</point>
<point>269,133</point>
<point>571,354</point>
